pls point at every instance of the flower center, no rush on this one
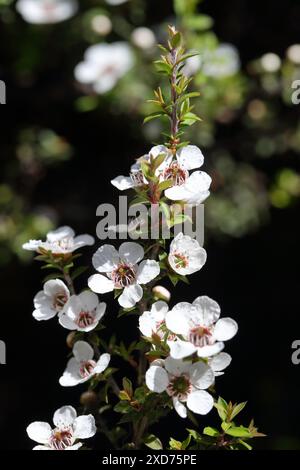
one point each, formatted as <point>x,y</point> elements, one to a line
<point>175,173</point>
<point>179,387</point>
<point>137,178</point>
<point>180,260</point>
<point>123,275</point>
<point>59,300</point>
<point>201,336</point>
<point>61,439</point>
<point>86,368</point>
<point>85,319</point>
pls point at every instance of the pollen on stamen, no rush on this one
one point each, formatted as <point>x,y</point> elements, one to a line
<point>61,439</point>
<point>180,387</point>
<point>85,319</point>
<point>175,173</point>
<point>87,368</point>
<point>124,275</point>
<point>180,260</point>
<point>201,336</point>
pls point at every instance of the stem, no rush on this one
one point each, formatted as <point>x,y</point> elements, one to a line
<point>139,432</point>
<point>69,282</point>
<point>174,118</point>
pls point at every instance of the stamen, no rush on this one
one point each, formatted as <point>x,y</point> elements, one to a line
<point>180,387</point>
<point>85,319</point>
<point>175,173</point>
<point>201,336</point>
<point>87,368</point>
<point>137,178</point>
<point>59,300</point>
<point>180,260</point>
<point>61,439</point>
<point>123,276</point>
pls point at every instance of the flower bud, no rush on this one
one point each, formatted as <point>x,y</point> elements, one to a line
<point>70,340</point>
<point>89,399</point>
<point>161,293</point>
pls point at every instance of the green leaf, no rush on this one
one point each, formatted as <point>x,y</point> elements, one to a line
<point>124,396</point>
<point>176,40</point>
<point>199,22</point>
<point>213,432</point>
<point>245,444</point>
<point>127,385</point>
<point>225,426</point>
<point>237,409</point>
<point>239,431</point>
<point>221,406</point>
<point>153,116</point>
<point>176,445</point>
<point>153,442</point>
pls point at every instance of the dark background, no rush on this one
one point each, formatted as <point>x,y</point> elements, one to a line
<point>255,279</point>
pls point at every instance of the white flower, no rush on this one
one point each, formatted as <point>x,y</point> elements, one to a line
<point>219,362</point>
<point>270,62</point>
<point>101,24</point>
<point>200,327</point>
<point>123,272</point>
<point>82,366</point>
<point>184,382</point>
<point>192,189</point>
<point>153,322</point>
<point>143,37</point>
<point>68,428</point>
<point>82,312</point>
<point>46,11</point>
<point>192,65</point>
<point>60,241</point>
<point>222,62</point>
<point>293,53</point>
<point>136,177</point>
<point>51,300</point>
<point>186,256</point>
<point>103,65</point>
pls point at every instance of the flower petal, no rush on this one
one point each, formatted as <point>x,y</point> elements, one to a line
<point>43,314</point>
<point>180,349</point>
<point>225,329</point>
<point>122,182</point>
<point>83,351</point>
<point>83,240</point>
<point>39,432</point>
<point>66,322</point>
<point>176,366</point>
<point>177,319</point>
<point>130,296</point>
<point>84,427</point>
<point>200,402</point>
<point>64,416</point>
<point>71,375</point>
<point>180,408</point>
<point>210,350</point>
<point>102,363</point>
<point>208,310</point>
<point>157,379</point>
<point>202,375</point>
<point>147,271</point>
<point>219,362</point>
<point>88,300</point>
<point>131,252</point>
<point>100,284</point>
<point>190,157</point>
<point>105,259</point>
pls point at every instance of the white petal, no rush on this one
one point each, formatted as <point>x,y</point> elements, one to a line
<point>100,284</point>
<point>210,350</point>
<point>66,322</point>
<point>225,329</point>
<point>208,310</point>
<point>202,375</point>
<point>180,349</point>
<point>71,375</point>
<point>147,325</point>
<point>74,446</point>
<point>147,271</point>
<point>54,286</point>
<point>39,432</point>
<point>60,233</point>
<point>177,319</point>
<point>122,182</point>
<point>102,363</point>
<point>180,408</point>
<point>159,309</point>
<point>188,248</point>
<point>42,448</point>
<point>106,259</point>
<point>100,311</point>
<point>130,296</point>
<point>220,362</point>
<point>157,379</point>
<point>200,402</point>
<point>64,416</point>
<point>85,72</point>
<point>43,314</point>
<point>83,240</point>
<point>157,150</point>
<point>83,351</point>
<point>88,300</point>
<point>190,157</point>
<point>84,427</point>
<point>176,366</point>
<point>131,252</point>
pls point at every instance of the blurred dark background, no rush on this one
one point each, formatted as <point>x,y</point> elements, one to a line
<point>254,277</point>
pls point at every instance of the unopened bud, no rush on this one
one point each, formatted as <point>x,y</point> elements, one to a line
<point>161,293</point>
<point>71,339</point>
<point>89,399</point>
